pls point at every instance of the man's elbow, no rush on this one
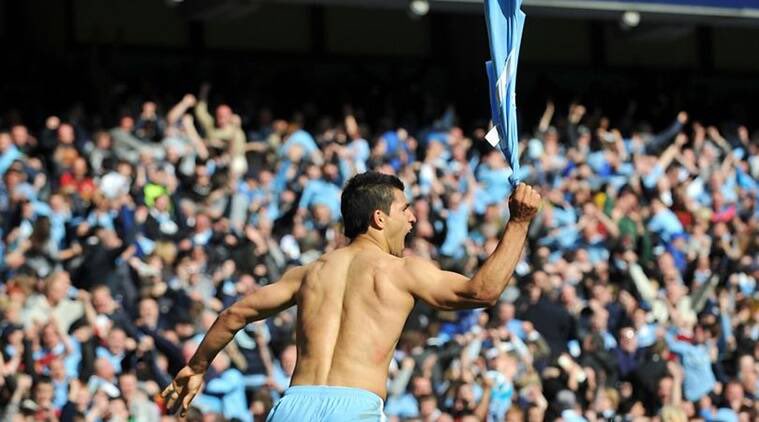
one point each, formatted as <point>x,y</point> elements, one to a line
<point>488,300</point>
<point>486,294</point>
<point>233,318</point>
<point>480,299</point>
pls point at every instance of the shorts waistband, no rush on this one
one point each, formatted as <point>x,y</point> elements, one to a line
<point>331,390</point>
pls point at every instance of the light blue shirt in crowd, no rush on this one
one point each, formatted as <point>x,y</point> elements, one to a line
<point>458,231</point>
<point>60,393</point>
<point>646,335</point>
<point>231,389</point>
<point>516,327</point>
<point>11,154</point>
<point>494,187</point>
<point>360,151</point>
<point>320,192</point>
<point>697,365</point>
<point>104,220</point>
<point>666,224</point>
<point>115,360</point>
<point>302,139</point>
<point>403,406</point>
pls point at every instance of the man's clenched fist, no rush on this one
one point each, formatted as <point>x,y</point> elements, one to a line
<point>524,203</point>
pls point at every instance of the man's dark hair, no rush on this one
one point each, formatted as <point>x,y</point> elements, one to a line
<point>365,193</point>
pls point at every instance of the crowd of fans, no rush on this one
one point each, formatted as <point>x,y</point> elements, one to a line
<point>635,298</point>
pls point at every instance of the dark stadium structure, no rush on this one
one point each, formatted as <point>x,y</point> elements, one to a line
<point>375,52</point>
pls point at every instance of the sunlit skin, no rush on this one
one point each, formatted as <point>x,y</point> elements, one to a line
<point>353,302</point>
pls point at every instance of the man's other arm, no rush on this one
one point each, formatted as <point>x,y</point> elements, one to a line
<point>449,290</point>
<point>261,304</point>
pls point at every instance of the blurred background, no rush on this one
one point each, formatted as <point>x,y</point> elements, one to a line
<point>666,54</point>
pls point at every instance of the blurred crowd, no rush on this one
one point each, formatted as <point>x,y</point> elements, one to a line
<point>635,298</point>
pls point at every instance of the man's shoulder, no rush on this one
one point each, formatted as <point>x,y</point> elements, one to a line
<point>413,263</point>
<point>376,262</point>
<point>387,262</point>
<point>332,256</point>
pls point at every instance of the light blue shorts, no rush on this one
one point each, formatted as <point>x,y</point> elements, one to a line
<point>318,403</point>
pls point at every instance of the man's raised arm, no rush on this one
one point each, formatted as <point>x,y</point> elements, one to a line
<point>449,290</point>
<point>261,304</point>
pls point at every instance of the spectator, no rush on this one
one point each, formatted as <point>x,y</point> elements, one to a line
<point>699,378</point>
<point>9,152</point>
<point>55,303</point>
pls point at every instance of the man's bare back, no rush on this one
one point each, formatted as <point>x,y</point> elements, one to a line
<point>352,305</point>
<point>353,302</point>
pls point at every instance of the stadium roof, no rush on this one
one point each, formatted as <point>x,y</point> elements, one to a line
<point>705,8</point>
<point>710,12</point>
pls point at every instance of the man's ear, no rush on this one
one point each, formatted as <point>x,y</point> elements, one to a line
<point>378,220</point>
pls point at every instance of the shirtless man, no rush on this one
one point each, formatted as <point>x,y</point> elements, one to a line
<point>353,303</point>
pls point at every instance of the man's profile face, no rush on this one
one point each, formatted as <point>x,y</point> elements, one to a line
<point>400,222</point>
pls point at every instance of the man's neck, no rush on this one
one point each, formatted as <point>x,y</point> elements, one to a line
<point>368,240</point>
